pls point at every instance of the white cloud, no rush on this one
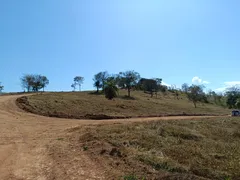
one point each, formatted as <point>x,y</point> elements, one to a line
<point>222,89</point>
<point>206,82</point>
<point>197,80</point>
<point>228,84</point>
<point>165,84</point>
<point>232,83</point>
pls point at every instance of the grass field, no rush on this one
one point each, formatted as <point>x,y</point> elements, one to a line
<point>86,105</point>
<point>170,149</point>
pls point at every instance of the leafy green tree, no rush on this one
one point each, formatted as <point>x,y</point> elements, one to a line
<point>100,80</point>
<point>217,98</point>
<point>196,94</point>
<point>27,81</point>
<point>232,96</point>
<point>128,79</point>
<point>238,103</point>
<point>150,85</point>
<point>110,90</point>
<point>34,82</point>
<point>97,84</point>
<point>1,87</point>
<point>43,82</point>
<point>78,80</point>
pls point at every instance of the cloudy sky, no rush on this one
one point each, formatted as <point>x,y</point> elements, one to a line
<point>187,41</point>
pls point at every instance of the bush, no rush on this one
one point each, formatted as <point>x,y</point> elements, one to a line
<point>110,90</point>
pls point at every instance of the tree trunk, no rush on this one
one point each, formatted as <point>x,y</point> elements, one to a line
<point>103,85</point>
<point>97,89</point>
<point>195,104</point>
<point>129,92</point>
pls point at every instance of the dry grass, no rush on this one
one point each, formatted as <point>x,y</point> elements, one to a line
<point>87,105</point>
<point>186,149</point>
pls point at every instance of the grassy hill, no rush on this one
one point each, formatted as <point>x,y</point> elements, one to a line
<point>94,106</point>
<point>170,149</point>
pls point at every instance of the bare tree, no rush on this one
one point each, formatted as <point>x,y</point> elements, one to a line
<point>78,80</point>
<point>73,86</point>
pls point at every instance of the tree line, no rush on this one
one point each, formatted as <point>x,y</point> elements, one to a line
<point>109,84</point>
<point>132,80</point>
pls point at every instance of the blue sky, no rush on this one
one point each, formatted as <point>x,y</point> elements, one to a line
<point>178,41</point>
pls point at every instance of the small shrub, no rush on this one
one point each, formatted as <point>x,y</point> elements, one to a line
<point>85,148</point>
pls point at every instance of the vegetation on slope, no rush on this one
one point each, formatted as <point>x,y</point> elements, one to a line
<point>167,149</point>
<point>96,106</point>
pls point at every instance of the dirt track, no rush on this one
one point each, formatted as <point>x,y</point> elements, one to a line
<point>25,139</point>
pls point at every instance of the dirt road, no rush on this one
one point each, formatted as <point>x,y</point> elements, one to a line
<point>25,140</point>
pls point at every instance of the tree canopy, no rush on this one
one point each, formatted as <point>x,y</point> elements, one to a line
<point>195,94</point>
<point>150,85</point>
<point>110,89</point>
<point>233,96</point>
<point>100,80</point>
<point>128,79</point>
<point>34,82</point>
<point>78,80</point>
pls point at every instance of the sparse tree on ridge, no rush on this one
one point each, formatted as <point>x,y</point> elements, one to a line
<point>1,87</point>
<point>129,79</point>
<point>100,80</point>
<point>27,82</point>
<point>39,82</point>
<point>78,80</point>
<point>98,85</point>
<point>34,82</point>
<point>44,82</point>
<point>73,86</point>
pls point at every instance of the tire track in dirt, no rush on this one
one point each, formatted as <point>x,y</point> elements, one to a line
<point>25,142</point>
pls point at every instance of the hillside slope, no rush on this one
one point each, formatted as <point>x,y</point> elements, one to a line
<point>88,105</point>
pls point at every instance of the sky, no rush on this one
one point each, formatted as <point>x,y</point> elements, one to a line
<point>187,41</point>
